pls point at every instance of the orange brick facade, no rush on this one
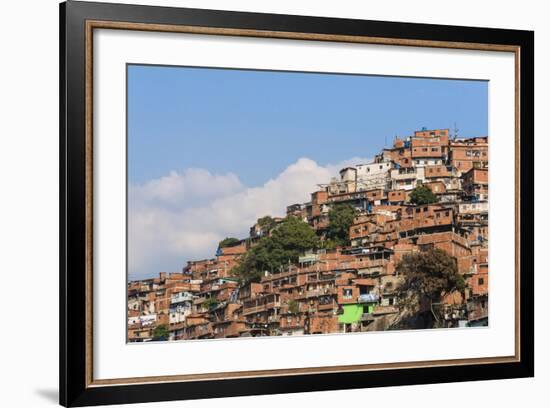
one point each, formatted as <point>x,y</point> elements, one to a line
<point>354,287</point>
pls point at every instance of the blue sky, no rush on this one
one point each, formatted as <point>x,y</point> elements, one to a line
<point>212,150</point>
<point>256,123</point>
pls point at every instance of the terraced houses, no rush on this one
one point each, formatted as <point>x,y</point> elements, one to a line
<point>349,288</point>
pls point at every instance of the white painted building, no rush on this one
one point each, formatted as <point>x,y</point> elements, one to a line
<point>427,161</point>
<point>148,320</point>
<point>473,208</point>
<point>180,307</point>
<point>133,320</point>
<point>366,170</point>
<point>134,304</point>
<point>406,178</point>
<point>178,314</point>
<point>373,175</point>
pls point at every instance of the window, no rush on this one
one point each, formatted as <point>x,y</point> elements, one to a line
<point>480,281</point>
<point>347,294</point>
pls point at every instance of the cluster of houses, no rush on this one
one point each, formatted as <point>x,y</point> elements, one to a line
<point>345,289</point>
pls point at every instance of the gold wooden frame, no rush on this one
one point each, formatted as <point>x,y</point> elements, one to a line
<point>98,24</point>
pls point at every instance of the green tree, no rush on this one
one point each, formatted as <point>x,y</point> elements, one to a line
<point>229,242</point>
<point>340,220</point>
<point>288,240</point>
<point>422,195</point>
<point>160,333</point>
<point>266,224</point>
<point>429,275</point>
<point>210,303</point>
<point>329,244</point>
<point>293,306</point>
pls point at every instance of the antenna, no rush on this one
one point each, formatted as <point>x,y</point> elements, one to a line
<point>455,130</point>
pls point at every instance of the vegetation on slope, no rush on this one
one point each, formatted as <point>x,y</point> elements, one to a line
<point>422,195</point>
<point>427,277</point>
<point>340,220</point>
<point>287,241</point>
<point>229,242</point>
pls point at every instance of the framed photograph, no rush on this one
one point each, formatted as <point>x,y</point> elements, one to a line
<point>257,204</point>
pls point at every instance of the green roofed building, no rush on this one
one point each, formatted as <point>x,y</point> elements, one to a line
<point>352,314</point>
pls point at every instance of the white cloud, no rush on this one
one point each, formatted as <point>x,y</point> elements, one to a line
<point>192,187</point>
<point>183,216</point>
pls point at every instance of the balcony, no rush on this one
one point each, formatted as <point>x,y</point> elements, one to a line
<point>271,305</point>
<point>404,174</point>
<point>279,275</point>
<point>382,310</point>
<point>368,298</point>
<point>325,307</point>
<point>254,309</point>
<point>181,297</point>
<point>320,292</point>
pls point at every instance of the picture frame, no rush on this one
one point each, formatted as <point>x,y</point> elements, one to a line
<point>79,21</point>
